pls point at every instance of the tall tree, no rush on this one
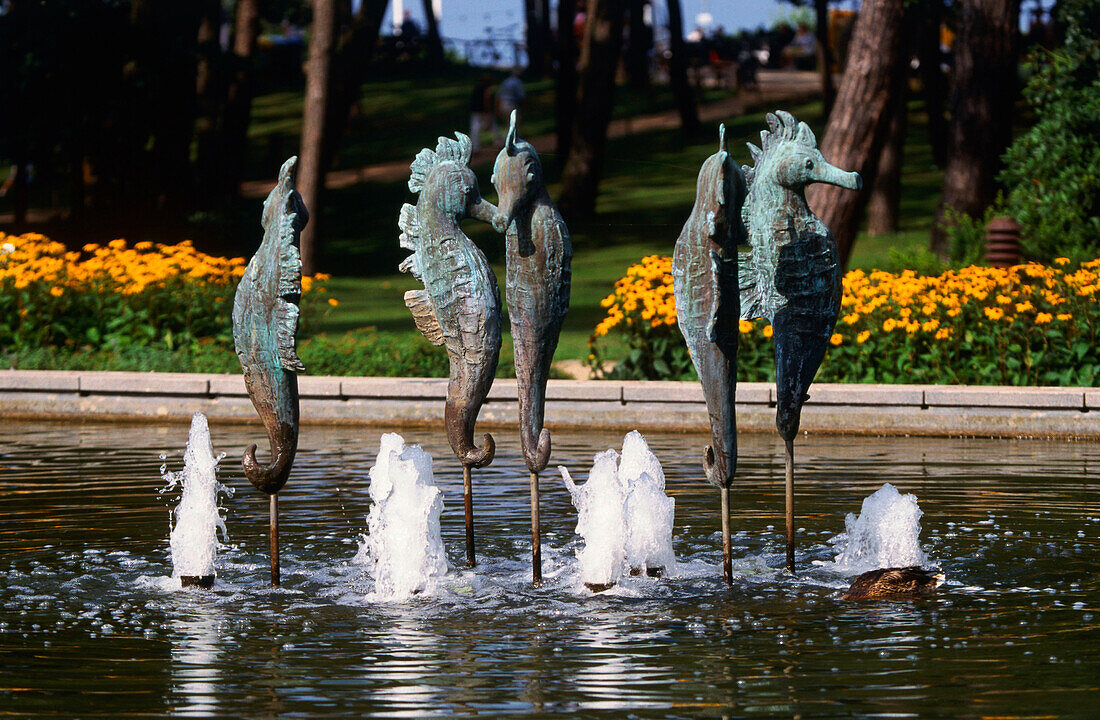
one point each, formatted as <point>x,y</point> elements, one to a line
<point>537,15</point>
<point>824,56</point>
<point>603,39</point>
<point>435,42</point>
<point>858,124</point>
<point>928,16</point>
<point>982,96</point>
<point>565,98</point>
<point>238,98</point>
<point>677,68</point>
<point>885,197</point>
<point>311,171</point>
<point>638,45</point>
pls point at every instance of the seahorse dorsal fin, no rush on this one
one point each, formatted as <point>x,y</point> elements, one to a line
<point>409,223</point>
<point>722,136</point>
<point>510,138</point>
<point>286,327</point>
<point>420,305</point>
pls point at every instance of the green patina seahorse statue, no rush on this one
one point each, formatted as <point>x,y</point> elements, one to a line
<point>538,261</point>
<point>704,271</point>
<point>792,276</point>
<point>459,306</point>
<point>538,254</point>
<point>265,321</point>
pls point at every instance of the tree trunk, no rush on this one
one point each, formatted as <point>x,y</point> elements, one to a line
<point>537,38</point>
<point>208,90</point>
<point>929,16</point>
<point>824,57</point>
<point>984,80</point>
<point>677,68</point>
<point>603,37</point>
<point>637,49</point>
<point>238,100</point>
<point>882,206</point>
<point>311,172</point>
<point>565,101</point>
<point>435,43</point>
<point>858,124</point>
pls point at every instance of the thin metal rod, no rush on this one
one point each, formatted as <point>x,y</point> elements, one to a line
<point>536,533</point>
<point>468,502</point>
<point>727,555</point>
<point>790,505</point>
<point>274,511</point>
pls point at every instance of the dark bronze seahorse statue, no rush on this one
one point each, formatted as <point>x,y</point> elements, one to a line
<point>265,322</point>
<point>792,275</point>
<point>704,271</point>
<point>538,254</point>
<point>459,307</point>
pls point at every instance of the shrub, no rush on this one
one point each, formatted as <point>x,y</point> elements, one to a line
<point>1026,325</point>
<point>116,296</point>
<point>1052,172</point>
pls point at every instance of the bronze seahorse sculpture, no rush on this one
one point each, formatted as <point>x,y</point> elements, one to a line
<point>792,276</point>
<point>459,307</point>
<point>704,271</point>
<point>538,254</point>
<point>265,322</point>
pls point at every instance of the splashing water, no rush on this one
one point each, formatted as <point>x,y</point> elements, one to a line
<point>197,518</point>
<point>625,517</point>
<point>649,512</point>
<point>886,533</point>
<point>403,549</point>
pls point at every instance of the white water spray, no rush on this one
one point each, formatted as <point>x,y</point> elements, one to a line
<point>624,516</point>
<point>403,549</point>
<point>886,533</point>
<point>649,512</point>
<point>197,518</point>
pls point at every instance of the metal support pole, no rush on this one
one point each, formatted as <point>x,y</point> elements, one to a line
<point>536,533</point>
<point>468,502</point>
<point>790,505</point>
<point>274,511</point>
<point>727,556</point>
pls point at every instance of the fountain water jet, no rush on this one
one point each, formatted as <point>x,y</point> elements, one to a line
<point>197,518</point>
<point>403,549</point>
<point>649,512</point>
<point>886,534</point>
<point>625,517</point>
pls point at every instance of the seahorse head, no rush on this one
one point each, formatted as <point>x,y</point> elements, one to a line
<point>789,157</point>
<point>517,174</point>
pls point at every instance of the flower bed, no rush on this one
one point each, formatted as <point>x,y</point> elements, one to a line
<point>1026,325</point>
<point>114,296</point>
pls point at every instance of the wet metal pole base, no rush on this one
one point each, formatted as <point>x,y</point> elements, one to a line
<point>536,533</point>
<point>790,505</point>
<point>274,510</point>
<point>727,558</point>
<point>468,502</point>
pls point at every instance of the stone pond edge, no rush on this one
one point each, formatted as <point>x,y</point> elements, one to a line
<point>932,410</point>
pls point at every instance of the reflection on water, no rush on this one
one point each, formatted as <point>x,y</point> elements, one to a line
<point>91,624</point>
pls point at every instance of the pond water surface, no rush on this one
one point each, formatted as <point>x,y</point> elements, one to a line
<point>89,627</point>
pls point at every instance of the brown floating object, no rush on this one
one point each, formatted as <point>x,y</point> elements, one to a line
<point>599,587</point>
<point>894,582</point>
<point>201,581</point>
<point>653,572</point>
<point>1002,242</point>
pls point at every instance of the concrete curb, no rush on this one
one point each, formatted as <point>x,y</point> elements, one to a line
<point>941,410</point>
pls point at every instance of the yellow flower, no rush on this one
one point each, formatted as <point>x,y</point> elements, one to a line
<point>745,326</point>
<point>836,339</point>
<point>994,313</point>
<point>851,319</point>
<point>321,277</point>
<point>890,324</point>
<point>1062,260</point>
<point>767,331</point>
<point>307,283</point>
<point>943,333</point>
<point>1065,316</point>
<point>333,302</point>
<point>930,325</point>
<point>1024,306</point>
<point>1043,318</point>
<point>862,337</point>
<point>57,291</point>
<point>1003,299</point>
